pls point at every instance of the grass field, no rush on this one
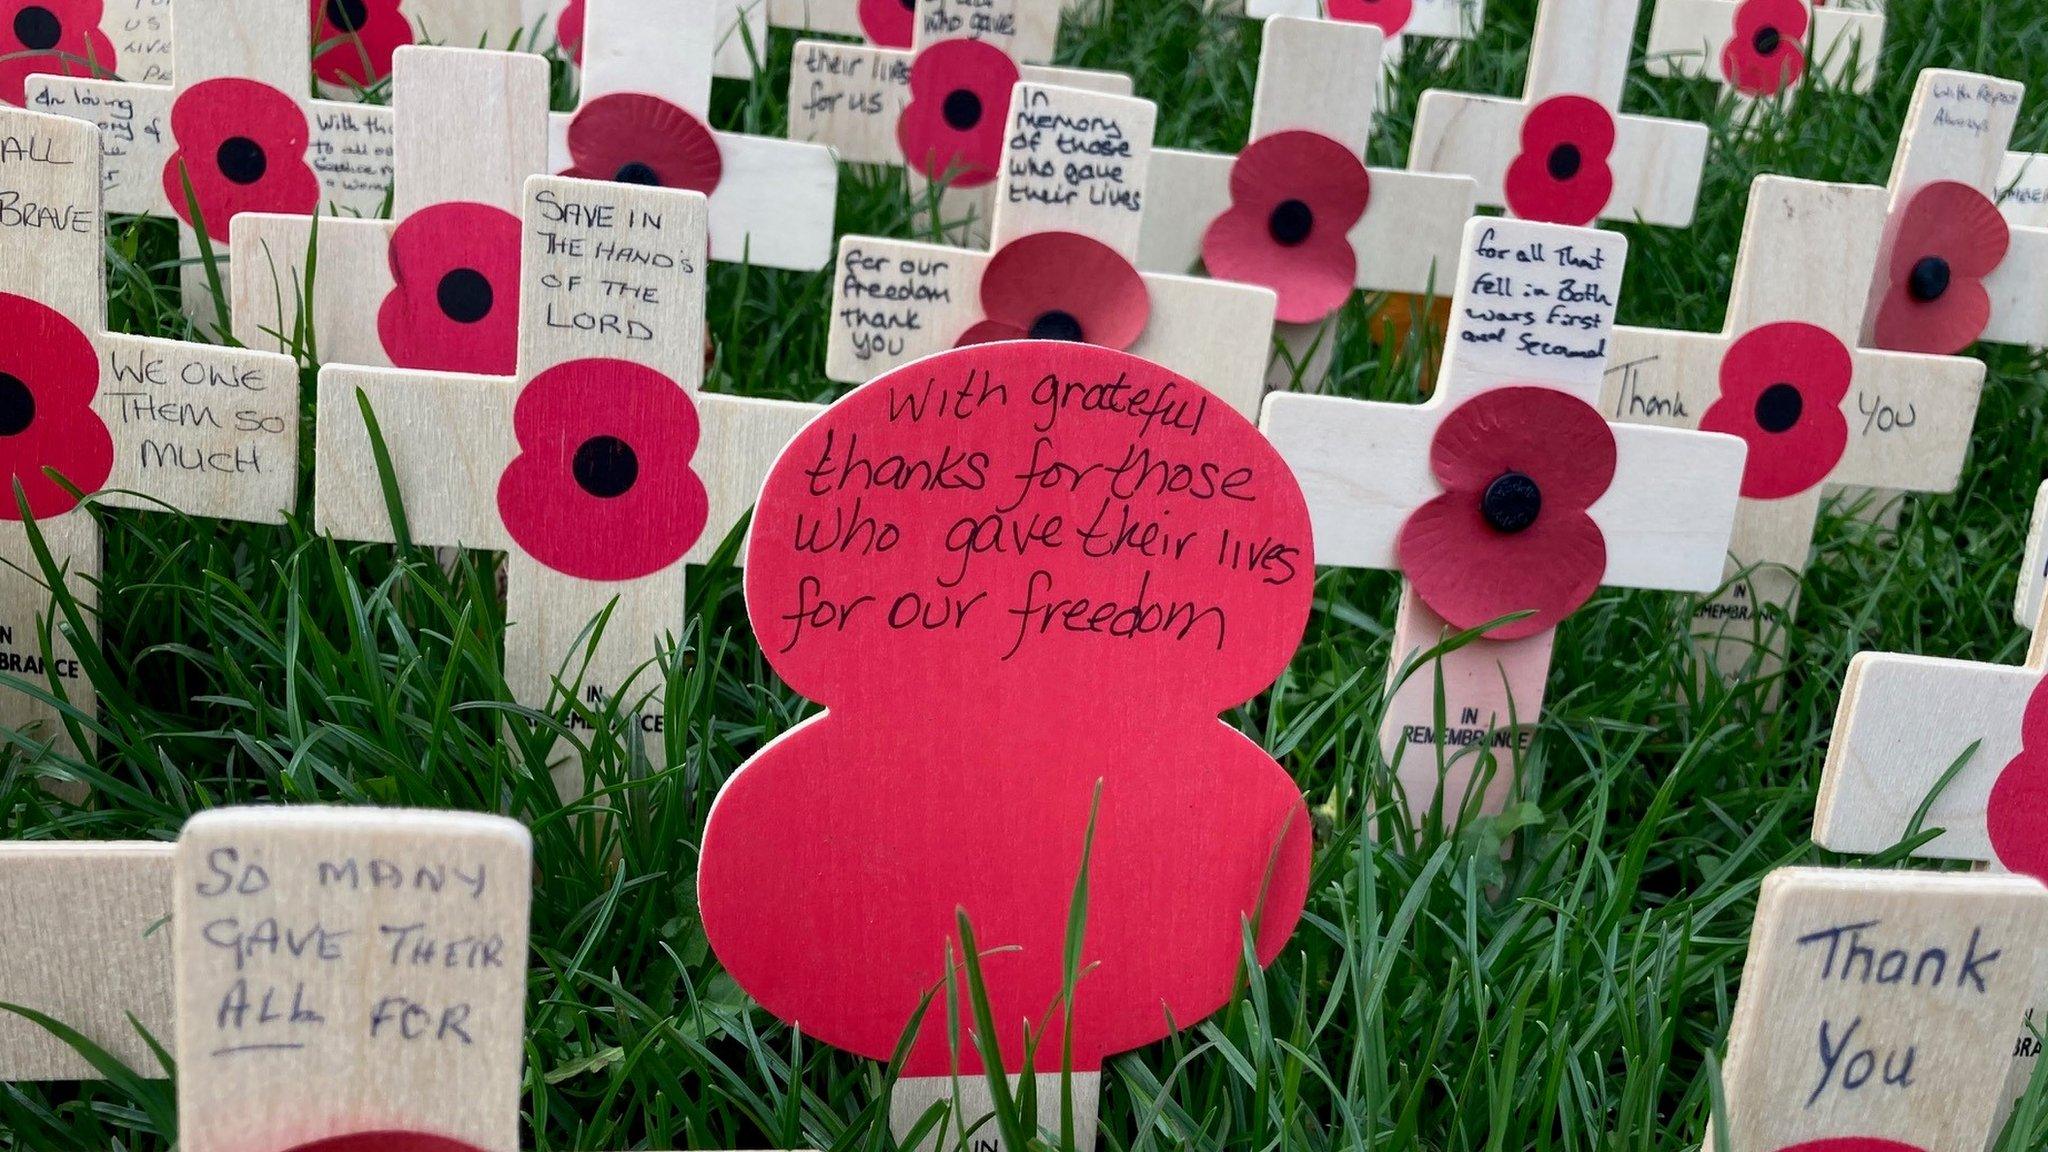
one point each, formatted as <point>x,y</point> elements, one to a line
<point>1434,997</point>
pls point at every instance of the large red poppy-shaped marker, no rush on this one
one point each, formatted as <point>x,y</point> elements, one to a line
<point>1011,572</point>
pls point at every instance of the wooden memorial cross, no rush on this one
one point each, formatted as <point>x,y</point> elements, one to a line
<point>601,470</point>
<point>1400,20</point>
<point>740,35</point>
<point>1563,152</point>
<point>1782,375</point>
<point>1069,204</point>
<point>1505,492</point>
<point>935,107</point>
<point>973,561</point>
<point>1298,211</point>
<point>641,119</point>
<point>129,421</point>
<point>103,38</point>
<point>1765,49</point>
<point>471,127</point>
<point>235,124</point>
<point>1876,1010</point>
<point>1907,722</point>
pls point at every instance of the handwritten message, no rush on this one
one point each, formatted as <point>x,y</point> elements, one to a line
<point>141,34</point>
<point>1078,156</point>
<point>849,95</point>
<point>610,272</point>
<point>1537,299</point>
<point>135,134</point>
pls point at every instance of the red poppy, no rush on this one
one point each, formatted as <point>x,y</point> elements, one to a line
<point>1519,466</point>
<point>242,144</point>
<point>1294,198</point>
<point>56,37</point>
<point>569,30</point>
<point>1561,175</point>
<point>49,371</point>
<point>2017,816</point>
<point>602,487</point>
<point>454,304</point>
<point>386,1141</point>
<point>353,40</point>
<point>1764,56</point>
<point>889,23</point>
<point>1851,1144</point>
<point>632,138</point>
<point>1944,242</point>
<point>1782,387</point>
<point>1389,16</point>
<point>1061,286</point>
<point>952,129</point>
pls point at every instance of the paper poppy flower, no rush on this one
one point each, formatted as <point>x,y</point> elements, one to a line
<point>632,138</point>
<point>569,30</point>
<point>2017,815</point>
<point>1389,16</point>
<point>56,37</point>
<point>1782,387</point>
<point>454,306</point>
<point>387,1141</point>
<point>602,487</point>
<point>353,40</point>
<point>1294,198</point>
<point>49,372</point>
<point>888,23</point>
<point>1519,466</point>
<point>1561,176</point>
<point>1765,56</point>
<point>1946,240</point>
<point>1851,1144</point>
<point>1061,286</point>
<point>242,144</point>
<point>952,129</point>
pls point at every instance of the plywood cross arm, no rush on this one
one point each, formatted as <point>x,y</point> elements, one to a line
<point>1670,511</point>
<point>449,439</point>
<point>2019,310</point>
<point>471,126</point>
<point>1363,467</point>
<point>1910,418</point>
<point>2023,189</point>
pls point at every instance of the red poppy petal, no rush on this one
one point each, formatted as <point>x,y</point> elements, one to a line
<point>2017,816</point>
<point>1389,16</point>
<point>1312,279</point>
<point>1580,121</point>
<point>361,55</point>
<point>888,23</point>
<point>1553,437</point>
<point>1071,273</point>
<point>1561,176</point>
<point>1954,222</point>
<point>952,129</point>
<point>52,372</point>
<point>1852,1144</point>
<point>454,306</point>
<point>1468,572</point>
<point>569,30</point>
<point>631,137</point>
<point>1306,166</point>
<point>386,1141</point>
<point>560,511</point>
<point>989,332</point>
<point>81,49</point>
<point>1941,327</point>
<point>1799,374</point>
<point>249,122</point>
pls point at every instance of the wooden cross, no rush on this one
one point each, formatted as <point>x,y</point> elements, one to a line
<point>1764,49</point>
<point>641,118</point>
<point>1069,203</point>
<point>1953,271</point>
<point>1058,525</point>
<point>472,127</point>
<point>131,422</point>
<point>741,32</point>
<point>854,97</point>
<point>1312,116</point>
<point>601,470</point>
<point>1784,374</point>
<point>410,987</point>
<point>1876,1010</point>
<point>1563,152</point>
<point>1400,20</point>
<point>253,140</point>
<point>1506,491</point>
<point>2023,189</point>
<point>1952,736</point>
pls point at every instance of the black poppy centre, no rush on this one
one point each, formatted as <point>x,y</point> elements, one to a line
<point>1779,407</point>
<point>1512,502</point>
<point>241,160</point>
<point>605,467</point>
<point>1057,325</point>
<point>38,28</point>
<point>1766,40</point>
<point>17,406</point>
<point>347,15</point>
<point>465,295</point>
<point>962,109</point>
<point>637,172</point>
<point>1928,281</point>
<point>1290,223</point>
<point>1564,162</point>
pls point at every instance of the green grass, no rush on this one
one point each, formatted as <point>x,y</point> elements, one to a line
<point>1435,996</point>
